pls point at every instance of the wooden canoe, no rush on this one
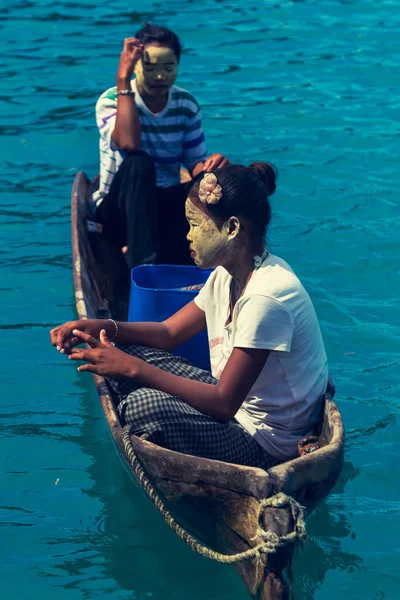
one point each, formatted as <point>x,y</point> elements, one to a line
<point>224,508</point>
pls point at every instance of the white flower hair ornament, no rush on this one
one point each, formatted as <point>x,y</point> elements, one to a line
<point>210,192</point>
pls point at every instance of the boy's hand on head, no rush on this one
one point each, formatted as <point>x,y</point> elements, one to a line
<point>215,161</point>
<point>131,53</point>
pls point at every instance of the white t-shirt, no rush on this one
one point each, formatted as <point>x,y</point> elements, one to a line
<point>274,313</point>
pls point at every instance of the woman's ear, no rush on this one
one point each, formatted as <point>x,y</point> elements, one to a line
<point>234,226</point>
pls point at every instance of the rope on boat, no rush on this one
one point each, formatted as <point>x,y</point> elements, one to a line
<point>270,541</point>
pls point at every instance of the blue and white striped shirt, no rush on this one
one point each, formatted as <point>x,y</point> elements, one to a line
<point>172,137</point>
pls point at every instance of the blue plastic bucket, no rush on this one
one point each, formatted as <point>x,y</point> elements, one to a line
<point>156,294</point>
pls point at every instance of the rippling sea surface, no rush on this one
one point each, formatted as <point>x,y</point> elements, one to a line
<point>309,85</point>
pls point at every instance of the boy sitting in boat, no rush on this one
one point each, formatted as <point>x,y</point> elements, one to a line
<point>148,127</point>
<point>268,363</point>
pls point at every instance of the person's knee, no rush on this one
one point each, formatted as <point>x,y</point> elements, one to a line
<point>143,407</point>
<point>138,161</point>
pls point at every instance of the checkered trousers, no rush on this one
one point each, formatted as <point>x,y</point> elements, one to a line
<point>169,422</point>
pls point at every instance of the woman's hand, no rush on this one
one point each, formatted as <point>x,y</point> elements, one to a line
<point>103,358</point>
<point>63,338</point>
<point>132,52</point>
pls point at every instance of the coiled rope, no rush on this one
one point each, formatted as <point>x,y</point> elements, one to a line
<point>270,541</point>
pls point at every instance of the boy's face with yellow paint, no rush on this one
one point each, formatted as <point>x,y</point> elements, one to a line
<point>157,70</point>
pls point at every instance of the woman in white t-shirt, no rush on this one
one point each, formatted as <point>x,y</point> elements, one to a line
<point>268,363</point>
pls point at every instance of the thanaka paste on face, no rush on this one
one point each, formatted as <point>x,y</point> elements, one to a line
<point>158,65</point>
<point>209,242</point>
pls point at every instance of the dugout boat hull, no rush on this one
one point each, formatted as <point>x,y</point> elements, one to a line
<point>216,502</point>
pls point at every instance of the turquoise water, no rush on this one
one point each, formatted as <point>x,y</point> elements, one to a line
<point>313,87</point>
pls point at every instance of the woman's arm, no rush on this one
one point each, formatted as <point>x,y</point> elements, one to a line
<point>167,335</point>
<point>221,401</point>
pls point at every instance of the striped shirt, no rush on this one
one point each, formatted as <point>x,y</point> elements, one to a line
<point>172,137</point>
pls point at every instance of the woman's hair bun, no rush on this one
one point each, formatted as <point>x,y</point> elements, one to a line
<point>267,173</point>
